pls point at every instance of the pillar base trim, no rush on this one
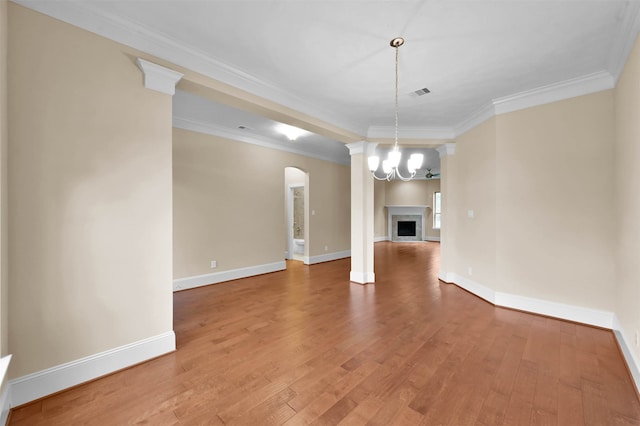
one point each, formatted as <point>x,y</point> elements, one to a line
<point>362,277</point>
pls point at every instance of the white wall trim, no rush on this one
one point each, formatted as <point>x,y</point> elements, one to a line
<point>380,239</point>
<point>5,403</point>
<point>435,239</point>
<point>574,313</point>
<point>362,277</point>
<point>327,257</point>
<point>446,149</point>
<point>362,147</point>
<point>226,133</point>
<point>567,89</point>
<point>231,274</point>
<point>473,287</point>
<point>476,118</point>
<point>5,397</point>
<point>627,352</point>
<point>626,37</point>
<point>159,78</point>
<point>42,383</point>
<point>407,132</point>
<point>447,277</point>
<point>548,308</point>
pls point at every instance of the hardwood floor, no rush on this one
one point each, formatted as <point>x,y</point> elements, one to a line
<point>305,346</point>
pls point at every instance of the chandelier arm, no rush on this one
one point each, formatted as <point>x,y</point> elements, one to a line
<point>404,179</point>
<point>379,178</point>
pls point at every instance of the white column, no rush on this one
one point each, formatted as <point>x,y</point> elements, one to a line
<point>448,207</point>
<point>361,213</point>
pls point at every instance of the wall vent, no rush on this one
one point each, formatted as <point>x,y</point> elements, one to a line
<point>422,91</point>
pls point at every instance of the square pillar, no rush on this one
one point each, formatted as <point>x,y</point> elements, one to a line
<point>448,206</point>
<point>361,213</point>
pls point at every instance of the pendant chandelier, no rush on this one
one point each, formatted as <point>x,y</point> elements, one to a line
<point>391,164</point>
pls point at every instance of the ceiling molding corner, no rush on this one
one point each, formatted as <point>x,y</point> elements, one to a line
<point>478,117</point>
<point>624,41</point>
<point>446,149</point>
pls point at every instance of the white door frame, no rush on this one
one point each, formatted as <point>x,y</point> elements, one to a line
<point>291,188</point>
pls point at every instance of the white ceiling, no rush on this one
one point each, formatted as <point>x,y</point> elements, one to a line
<point>332,60</point>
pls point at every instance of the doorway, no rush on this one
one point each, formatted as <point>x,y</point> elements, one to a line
<point>297,244</point>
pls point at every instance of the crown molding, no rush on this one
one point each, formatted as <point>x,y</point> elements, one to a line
<point>241,136</point>
<point>405,132</point>
<point>134,34</point>
<point>362,147</point>
<point>446,149</point>
<point>159,78</point>
<point>625,39</point>
<point>572,88</point>
<point>476,118</point>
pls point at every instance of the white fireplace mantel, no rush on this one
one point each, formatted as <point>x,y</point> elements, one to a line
<point>413,209</point>
<point>398,210</point>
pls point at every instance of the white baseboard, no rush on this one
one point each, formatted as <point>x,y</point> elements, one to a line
<point>473,287</point>
<point>232,274</point>
<point>5,400</point>
<point>630,357</point>
<point>362,277</point>
<point>310,260</point>
<point>378,239</point>
<point>579,314</point>
<point>5,396</point>
<point>437,239</point>
<point>447,277</point>
<point>42,383</point>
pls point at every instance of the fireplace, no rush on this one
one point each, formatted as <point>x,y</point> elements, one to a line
<point>406,228</point>
<point>406,223</point>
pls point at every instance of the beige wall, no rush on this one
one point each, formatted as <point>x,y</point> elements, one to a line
<point>379,211</point>
<point>89,196</point>
<point>4,136</point>
<point>627,198</point>
<point>475,190</point>
<point>237,217</point>
<point>554,201</point>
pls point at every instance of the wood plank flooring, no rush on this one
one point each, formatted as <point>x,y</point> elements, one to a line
<point>305,346</point>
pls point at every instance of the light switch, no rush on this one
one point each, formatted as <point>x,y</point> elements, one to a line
<point>470,214</point>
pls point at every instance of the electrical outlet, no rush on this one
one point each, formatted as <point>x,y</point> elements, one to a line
<point>214,264</point>
<point>470,270</point>
<point>326,248</point>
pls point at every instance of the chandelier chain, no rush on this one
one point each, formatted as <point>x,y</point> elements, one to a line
<point>396,88</point>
